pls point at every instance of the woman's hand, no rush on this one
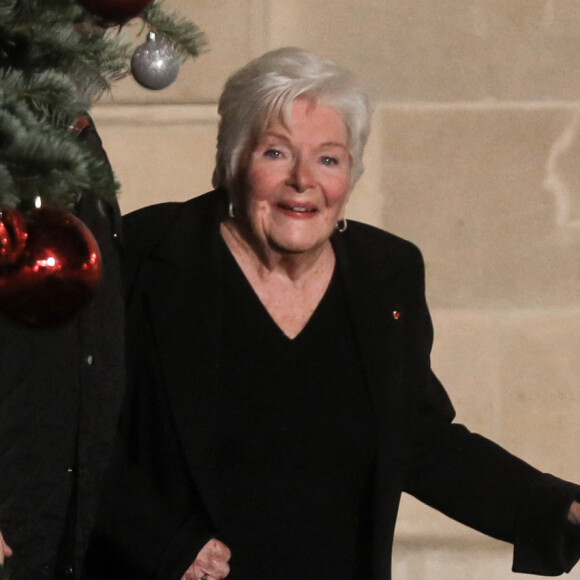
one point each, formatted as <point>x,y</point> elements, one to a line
<point>5,550</point>
<point>574,514</point>
<point>211,562</point>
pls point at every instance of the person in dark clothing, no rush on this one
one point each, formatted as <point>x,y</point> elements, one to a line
<point>60,392</point>
<point>280,396</point>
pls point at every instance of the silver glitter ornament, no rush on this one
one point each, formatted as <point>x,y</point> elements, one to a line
<point>155,64</point>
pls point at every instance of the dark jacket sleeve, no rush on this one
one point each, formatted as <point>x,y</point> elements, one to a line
<point>478,483</point>
<point>545,543</point>
<point>151,522</point>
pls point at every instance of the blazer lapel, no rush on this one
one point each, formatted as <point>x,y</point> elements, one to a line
<point>377,308</point>
<point>378,317</point>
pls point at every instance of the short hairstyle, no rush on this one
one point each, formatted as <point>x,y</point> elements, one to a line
<point>265,89</point>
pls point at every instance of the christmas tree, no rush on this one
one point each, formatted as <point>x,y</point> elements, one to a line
<point>57,58</point>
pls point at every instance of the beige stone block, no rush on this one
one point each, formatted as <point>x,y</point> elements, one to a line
<point>442,51</point>
<point>159,153</point>
<point>234,29</point>
<point>513,376</point>
<point>367,202</point>
<point>419,523</point>
<point>486,193</point>
<point>466,359</point>
<point>540,377</point>
<point>429,546</point>
<point>444,559</point>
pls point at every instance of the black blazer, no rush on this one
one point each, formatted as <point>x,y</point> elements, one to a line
<point>162,482</point>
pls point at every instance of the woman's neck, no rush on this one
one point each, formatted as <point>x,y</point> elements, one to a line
<point>290,286</point>
<point>268,263</point>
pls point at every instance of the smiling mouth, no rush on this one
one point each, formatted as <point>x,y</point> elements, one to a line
<point>297,208</point>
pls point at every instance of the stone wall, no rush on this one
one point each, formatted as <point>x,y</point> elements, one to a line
<point>473,156</point>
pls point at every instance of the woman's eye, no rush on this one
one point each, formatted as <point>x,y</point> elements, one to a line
<point>328,160</point>
<point>273,154</point>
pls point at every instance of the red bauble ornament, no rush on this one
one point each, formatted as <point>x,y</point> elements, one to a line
<point>116,10</point>
<point>12,236</point>
<point>57,273</point>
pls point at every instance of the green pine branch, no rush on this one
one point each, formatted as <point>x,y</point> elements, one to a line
<point>186,37</point>
<point>56,60</point>
<point>46,161</point>
<point>6,9</point>
<point>49,94</point>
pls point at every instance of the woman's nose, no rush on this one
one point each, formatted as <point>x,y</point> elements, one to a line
<point>301,177</point>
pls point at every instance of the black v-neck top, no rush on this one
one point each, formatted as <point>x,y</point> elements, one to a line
<point>297,440</point>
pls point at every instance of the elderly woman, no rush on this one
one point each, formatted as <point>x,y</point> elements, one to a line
<point>281,397</point>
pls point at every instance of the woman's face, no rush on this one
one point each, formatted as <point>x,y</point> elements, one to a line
<point>298,180</point>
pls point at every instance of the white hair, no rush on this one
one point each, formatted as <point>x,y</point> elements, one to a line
<point>265,89</point>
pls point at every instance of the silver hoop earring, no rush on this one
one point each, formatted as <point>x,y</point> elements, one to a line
<point>231,210</point>
<point>341,225</point>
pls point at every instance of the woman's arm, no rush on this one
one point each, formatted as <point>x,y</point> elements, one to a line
<point>480,484</point>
